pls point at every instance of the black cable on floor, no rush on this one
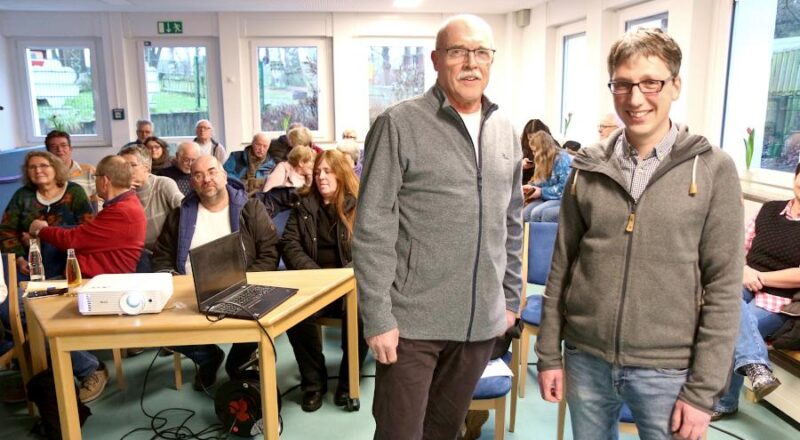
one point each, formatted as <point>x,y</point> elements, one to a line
<point>726,432</point>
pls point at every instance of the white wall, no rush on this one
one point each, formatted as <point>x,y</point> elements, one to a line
<point>8,121</point>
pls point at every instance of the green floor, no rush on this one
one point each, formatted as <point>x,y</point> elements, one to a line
<point>118,412</point>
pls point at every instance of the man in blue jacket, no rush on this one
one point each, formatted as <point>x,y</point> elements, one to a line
<point>252,166</point>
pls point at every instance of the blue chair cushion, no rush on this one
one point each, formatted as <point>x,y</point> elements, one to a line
<point>493,387</point>
<point>625,414</point>
<point>540,251</point>
<point>532,313</point>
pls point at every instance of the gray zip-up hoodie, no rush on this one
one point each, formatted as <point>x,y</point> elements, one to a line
<point>438,235</point>
<point>653,284</point>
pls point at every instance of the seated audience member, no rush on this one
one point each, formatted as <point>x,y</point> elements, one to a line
<point>159,195</point>
<point>251,166</point>
<point>60,144</point>
<point>296,172</point>
<point>352,152</point>
<point>543,192</point>
<point>48,195</point>
<point>208,145</point>
<point>771,278</point>
<point>323,242</point>
<point>533,126</point>
<point>350,133</point>
<point>144,130</point>
<point>181,169</point>
<point>572,146</point>
<point>280,146</point>
<point>159,154</point>
<point>113,241</point>
<point>607,125</point>
<point>216,207</point>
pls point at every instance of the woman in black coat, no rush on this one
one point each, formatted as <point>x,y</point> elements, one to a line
<point>318,236</point>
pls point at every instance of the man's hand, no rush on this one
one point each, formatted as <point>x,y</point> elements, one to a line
<point>551,384</point>
<point>384,346</point>
<point>36,226</point>
<point>22,265</point>
<point>511,318</point>
<point>751,280</point>
<point>688,422</point>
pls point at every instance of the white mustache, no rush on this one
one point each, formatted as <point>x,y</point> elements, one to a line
<point>464,74</point>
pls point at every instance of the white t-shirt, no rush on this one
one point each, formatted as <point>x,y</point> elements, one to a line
<point>210,226</point>
<point>473,123</point>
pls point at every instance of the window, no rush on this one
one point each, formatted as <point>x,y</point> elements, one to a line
<point>654,21</point>
<point>574,82</point>
<point>763,90</point>
<point>292,81</point>
<point>176,84</point>
<point>395,73</point>
<point>61,89</point>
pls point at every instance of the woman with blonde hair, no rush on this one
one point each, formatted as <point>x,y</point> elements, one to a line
<point>318,235</point>
<point>295,172</point>
<point>543,192</point>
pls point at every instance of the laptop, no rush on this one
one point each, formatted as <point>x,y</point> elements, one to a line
<point>220,278</point>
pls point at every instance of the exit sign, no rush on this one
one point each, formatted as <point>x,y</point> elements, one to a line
<point>170,27</point>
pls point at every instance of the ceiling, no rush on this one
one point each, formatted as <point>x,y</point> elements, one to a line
<point>436,6</point>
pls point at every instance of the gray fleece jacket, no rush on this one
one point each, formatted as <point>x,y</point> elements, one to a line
<point>652,284</point>
<point>438,235</point>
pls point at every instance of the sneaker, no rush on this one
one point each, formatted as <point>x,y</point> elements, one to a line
<point>206,375</point>
<point>719,415</point>
<point>93,386</point>
<point>474,422</point>
<point>762,379</point>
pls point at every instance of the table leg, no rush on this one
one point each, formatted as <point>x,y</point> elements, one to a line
<point>269,387</point>
<point>65,391</point>
<point>351,301</point>
<point>37,342</point>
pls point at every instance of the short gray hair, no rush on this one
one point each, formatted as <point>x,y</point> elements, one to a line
<point>142,122</point>
<point>142,155</point>
<point>350,148</point>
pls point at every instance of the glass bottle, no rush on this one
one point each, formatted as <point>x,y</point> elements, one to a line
<point>74,279</point>
<point>35,261</point>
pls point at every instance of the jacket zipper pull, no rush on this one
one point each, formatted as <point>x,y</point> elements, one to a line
<point>631,221</point>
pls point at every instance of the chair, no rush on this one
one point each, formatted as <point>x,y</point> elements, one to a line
<point>279,221</point>
<point>490,393</point>
<point>21,350</point>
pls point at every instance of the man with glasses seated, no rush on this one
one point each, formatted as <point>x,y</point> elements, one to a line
<point>216,207</point>
<point>646,276</point>
<point>181,168</point>
<point>60,144</point>
<point>607,125</point>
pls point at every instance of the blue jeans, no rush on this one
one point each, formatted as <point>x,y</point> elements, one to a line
<point>755,324</point>
<point>596,390</point>
<point>542,211</point>
<point>83,362</point>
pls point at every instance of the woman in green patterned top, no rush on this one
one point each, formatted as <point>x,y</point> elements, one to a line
<point>46,194</point>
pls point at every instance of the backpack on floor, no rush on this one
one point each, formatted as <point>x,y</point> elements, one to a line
<point>41,390</point>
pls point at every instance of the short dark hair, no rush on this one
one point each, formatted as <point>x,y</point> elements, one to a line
<point>56,134</point>
<point>797,170</point>
<point>117,169</point>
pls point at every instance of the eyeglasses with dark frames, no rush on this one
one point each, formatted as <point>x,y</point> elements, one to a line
<point>647,86</point>
<point>482,55</point>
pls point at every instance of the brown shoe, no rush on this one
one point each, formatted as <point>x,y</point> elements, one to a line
<point>762,380</point>
<point>474,422</point>
<point>93,386</point>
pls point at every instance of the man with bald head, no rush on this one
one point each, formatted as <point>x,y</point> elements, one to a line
<point>434,293</point>
<point>252,166</point>
<point>216,207</point>
<point>181,168</point>
<point>607,125</point>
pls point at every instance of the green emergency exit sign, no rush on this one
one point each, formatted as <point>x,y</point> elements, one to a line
<point>170,27</point>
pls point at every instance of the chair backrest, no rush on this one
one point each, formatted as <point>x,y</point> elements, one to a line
<point>540,251</point>
<point>280,220</point>
<point>14,318</point>
<point>145,263</point>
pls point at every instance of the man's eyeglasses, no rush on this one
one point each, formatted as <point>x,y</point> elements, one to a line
<point>201,177</point>
<point>187,160</point>
<point>647,86</point>
<point>482,56</point>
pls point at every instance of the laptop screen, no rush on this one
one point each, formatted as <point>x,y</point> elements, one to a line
<point>218,266</point>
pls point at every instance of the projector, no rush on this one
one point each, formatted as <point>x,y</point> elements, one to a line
<point>125,294</point>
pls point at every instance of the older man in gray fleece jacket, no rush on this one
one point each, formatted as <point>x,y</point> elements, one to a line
<point>438,238</point>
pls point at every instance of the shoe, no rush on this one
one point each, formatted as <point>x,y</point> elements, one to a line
<point>131,352</point>
<point>719,415</point>
<point>341,397</point>
<point>312,401</point>
<point>762,380</point>
<point>164,352</point>
<point>474,422</point>
<point>92,387</point>
<point>206,375</point>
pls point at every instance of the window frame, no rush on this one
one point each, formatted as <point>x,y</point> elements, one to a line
<point>100,99</point>
<point>212,79</point>
<point>580,132</point>
<point>324,132</point>
<point>634,22</point>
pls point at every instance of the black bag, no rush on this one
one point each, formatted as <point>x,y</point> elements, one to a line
<point>42,391</point>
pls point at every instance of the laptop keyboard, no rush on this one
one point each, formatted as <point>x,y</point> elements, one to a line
<point>244,298</point>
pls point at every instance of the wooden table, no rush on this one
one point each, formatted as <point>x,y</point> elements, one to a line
<point>58,320</point>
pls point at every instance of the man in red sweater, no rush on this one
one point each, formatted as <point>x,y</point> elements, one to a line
<point>113,241</point>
